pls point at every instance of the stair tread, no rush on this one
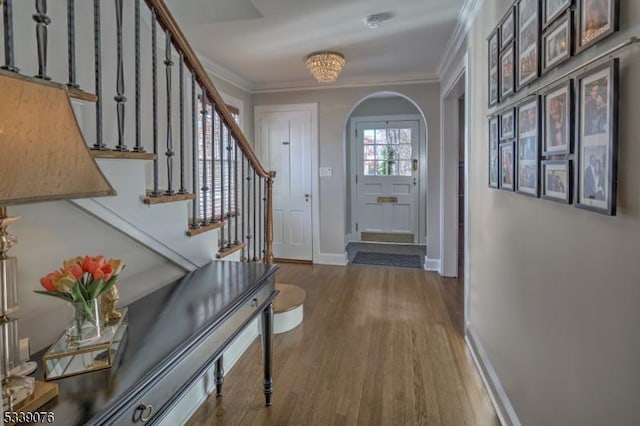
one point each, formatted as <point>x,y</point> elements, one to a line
<point>126,155</point>
<point>290,298</point>
<point>230,250</point>
<point>82,95</point>
<point>204,228</point>
<point>163,198</point>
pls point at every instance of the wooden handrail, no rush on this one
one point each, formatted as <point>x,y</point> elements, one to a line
<point>168,23</point>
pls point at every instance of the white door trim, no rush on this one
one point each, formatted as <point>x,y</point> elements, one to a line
<point>312,108</point>
<point>422,176</point>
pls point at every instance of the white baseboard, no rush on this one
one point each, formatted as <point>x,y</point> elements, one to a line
<point>431,264</point>
<point>193,398</point>
<point>339,259</point>
<point>499,398</point>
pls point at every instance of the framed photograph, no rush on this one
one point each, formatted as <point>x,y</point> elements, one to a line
<point>507,169</point>
<point>557,43</point>
<point>507,124</point>
<point>551,9</point>
<point>597,138</point>
<point>528,64</point>
<point>494,169</point>
<point>556,180</point>
<point>494,70</point>
<point>507,27</point>
<point>596,20</point>
<point>557,119</point>
<point>528,146</point>
<point>507,72</point>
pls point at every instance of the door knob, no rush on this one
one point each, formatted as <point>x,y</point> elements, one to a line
<point>306,197</point>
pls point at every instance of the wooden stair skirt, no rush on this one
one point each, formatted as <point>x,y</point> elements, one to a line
<point>288,307</point>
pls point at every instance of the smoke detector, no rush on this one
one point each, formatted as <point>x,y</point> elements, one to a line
<point>376,20</point>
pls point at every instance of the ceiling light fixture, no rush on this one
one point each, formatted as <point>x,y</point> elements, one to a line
<point>375,21</point>
<point>325,66</point>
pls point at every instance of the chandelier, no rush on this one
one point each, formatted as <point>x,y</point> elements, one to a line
<point>325,66</point>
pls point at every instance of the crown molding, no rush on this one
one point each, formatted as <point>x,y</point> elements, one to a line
<point>386,80</point>
<point>468,12</point>
<point>225,74</point>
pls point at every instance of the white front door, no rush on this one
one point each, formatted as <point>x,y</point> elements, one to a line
<point>387,181</point>
<point>283,142</point>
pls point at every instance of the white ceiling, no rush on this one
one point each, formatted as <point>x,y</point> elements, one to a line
<point>265,42</point>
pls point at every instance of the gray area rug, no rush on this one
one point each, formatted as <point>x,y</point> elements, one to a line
<point>388,259</point>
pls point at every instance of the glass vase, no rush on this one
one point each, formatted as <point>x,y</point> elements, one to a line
<point>85,327</point>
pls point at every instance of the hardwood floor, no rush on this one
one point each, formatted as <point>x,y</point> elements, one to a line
<point>377,347</point>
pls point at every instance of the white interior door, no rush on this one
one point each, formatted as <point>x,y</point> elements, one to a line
<point>387,180</point>
<point>283,142</point>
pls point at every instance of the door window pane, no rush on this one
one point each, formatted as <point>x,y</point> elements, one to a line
<point>391,150</point>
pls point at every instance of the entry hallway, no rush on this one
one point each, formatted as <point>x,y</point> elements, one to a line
<point>378,346</point>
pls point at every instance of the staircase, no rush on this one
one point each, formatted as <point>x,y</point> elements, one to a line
<point>145,97</point>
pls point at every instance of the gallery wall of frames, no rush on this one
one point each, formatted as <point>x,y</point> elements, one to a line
<point>560,143</point>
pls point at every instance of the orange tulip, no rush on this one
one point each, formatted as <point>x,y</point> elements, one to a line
<point>90,264</point>
<point>107,269</point>
<point>47,282</point>
<point>76,270</point>
<point>97,274</point>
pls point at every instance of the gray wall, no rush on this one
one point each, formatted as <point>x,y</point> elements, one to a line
<point>334,108</point>
<point>554,290</point>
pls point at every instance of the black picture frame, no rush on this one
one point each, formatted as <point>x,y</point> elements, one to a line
<point>550,13</point>
<point>493,79</point>
<point>558,115</point>
<point>528,42</point>
<point>507,27</point>
<point>507,168</point>
<point>507,72</point>
<point>528,147</point>
<point>586,38</point>
<point>494,142</point>
<point>552,42</point>
<point>507,124</point>
<point>557,180</point>
<point>597,138</point>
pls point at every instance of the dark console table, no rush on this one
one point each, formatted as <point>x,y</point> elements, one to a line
<point>174,335</point>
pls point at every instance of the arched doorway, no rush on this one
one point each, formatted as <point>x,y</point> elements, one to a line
<point>386,161</point>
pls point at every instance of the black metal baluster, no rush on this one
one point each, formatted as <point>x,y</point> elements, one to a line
<point>261,219</point>
<point>194,152</point>
<point>255,202</point>
<point>215,151</point>
<point>242,209</point>
<point>120,98</point>
<point>42,20</point>
<point>223,127</point>
<point>154,81</point>
<point>97,41</point>
<point>236,241</point>
<point>169,153</point>
<point>204,188</point>
<point>183,189</point>
<point>9,58</point>
<point>138,147</point>
<point>71,42</point>
<point>229,212</point>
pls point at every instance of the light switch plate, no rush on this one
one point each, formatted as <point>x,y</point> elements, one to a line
<point>326,171</point>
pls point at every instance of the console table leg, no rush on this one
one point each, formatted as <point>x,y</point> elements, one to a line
<point>219,372</point>
<point>267,347</point>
